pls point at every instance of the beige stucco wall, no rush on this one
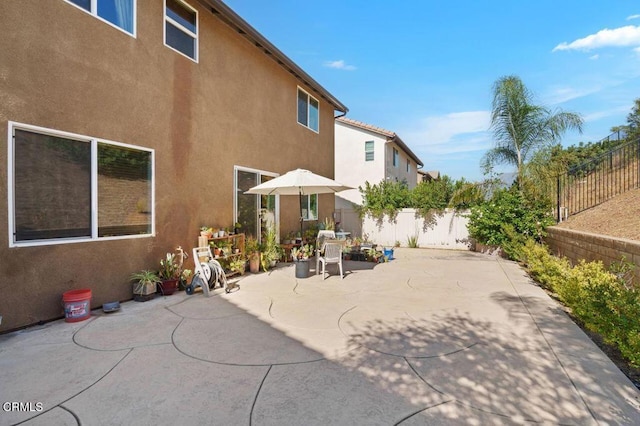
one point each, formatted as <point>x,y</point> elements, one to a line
<point>63,69</point>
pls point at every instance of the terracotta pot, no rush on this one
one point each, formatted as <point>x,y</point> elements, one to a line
<point>254,263</point>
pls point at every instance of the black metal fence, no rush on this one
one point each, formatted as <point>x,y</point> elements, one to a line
<point>599,179</point>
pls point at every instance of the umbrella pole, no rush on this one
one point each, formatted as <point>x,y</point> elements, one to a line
<point>300,203</point>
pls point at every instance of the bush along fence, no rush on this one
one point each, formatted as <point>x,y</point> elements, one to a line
<point>597,180</point>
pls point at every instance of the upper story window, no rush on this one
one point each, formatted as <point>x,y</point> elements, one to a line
<point>368,150</point>
<point>408,166</point>
<point>396,158</point>
<point>120,13</point>
<point>181,28</point>
<point>308,110</point>
<point>96,190</point>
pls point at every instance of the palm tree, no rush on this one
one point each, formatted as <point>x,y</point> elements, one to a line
<point>521,128</point>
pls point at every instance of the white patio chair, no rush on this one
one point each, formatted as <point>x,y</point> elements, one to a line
<point>323,235</point>
<point>332,255</point>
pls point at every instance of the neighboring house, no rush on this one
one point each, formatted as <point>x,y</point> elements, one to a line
<point>428,175</point>
<point>366,153</point>
<point>128,125</point>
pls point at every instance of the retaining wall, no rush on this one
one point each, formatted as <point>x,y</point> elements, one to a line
<point>576,245</point>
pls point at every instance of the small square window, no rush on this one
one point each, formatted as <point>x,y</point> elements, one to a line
<point>369,151</point>
<point>181,28</point>
<point>308,110</point>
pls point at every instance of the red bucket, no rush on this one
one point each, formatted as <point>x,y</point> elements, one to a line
<point>77,305</point>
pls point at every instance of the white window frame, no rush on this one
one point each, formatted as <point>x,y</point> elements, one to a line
<point>309,97</point>
<point>12,126</point>
<point>371,151</point>
<point>183,29</point>
<point>308,198</point>
<point>408,166</point>
<point>94,12</point>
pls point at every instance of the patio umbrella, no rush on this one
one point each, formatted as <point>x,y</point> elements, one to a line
<point>298,182</point>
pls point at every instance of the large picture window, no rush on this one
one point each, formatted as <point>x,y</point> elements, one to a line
<point>120,13</point>
<point>66,188</point>
<point>181,28</point>
<point>308,110</point>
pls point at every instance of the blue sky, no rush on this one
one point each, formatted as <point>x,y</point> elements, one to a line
<point>425,69</point>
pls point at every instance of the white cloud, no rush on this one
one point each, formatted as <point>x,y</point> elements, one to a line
<point>451,133</point>
<point>340,65</point>
<point>617,37</point>
<point>597,115</point>
<point>558,95</point>
<point>594,57</point>
<point>629,18</point>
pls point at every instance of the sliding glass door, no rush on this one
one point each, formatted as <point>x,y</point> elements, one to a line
<point>250,210</point>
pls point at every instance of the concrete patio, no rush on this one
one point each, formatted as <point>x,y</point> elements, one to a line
<point>432,337</point>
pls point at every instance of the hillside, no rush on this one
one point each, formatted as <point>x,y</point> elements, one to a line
<point>618,217</point>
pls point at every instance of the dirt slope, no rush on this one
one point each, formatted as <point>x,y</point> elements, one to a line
<point>618,217</point>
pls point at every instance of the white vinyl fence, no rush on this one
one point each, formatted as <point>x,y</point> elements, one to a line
<point>445,231</point>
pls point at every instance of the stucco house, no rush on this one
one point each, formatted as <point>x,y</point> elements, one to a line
<point>366,153</point>
<point>428,175</point>
<point>130,124</point>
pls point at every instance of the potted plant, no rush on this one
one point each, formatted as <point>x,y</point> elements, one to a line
<point>237,228</point>
<point>346,252</point>
<point>169,274</point>
<point>270,252</point>
<point>329,224</point>
<point>300,256</point>
<point>183,283</point>
<point>253,252</point>
<point>144,284</point>
<point>205,231</point>
<point>238,265</point>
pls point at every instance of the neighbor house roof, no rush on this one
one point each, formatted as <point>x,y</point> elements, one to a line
<point>392,137</point>
<point>431,174</point>
<point>232,19</point>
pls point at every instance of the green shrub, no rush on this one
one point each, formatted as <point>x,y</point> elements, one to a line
<point>526,217</point>
<point>550,271</point>
<point>597,297</point>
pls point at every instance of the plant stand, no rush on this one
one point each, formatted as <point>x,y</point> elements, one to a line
<point>302,268</point>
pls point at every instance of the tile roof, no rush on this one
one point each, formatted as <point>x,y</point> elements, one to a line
<point>366,126</point>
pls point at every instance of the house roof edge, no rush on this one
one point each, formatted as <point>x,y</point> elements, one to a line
<point>232,19</point>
